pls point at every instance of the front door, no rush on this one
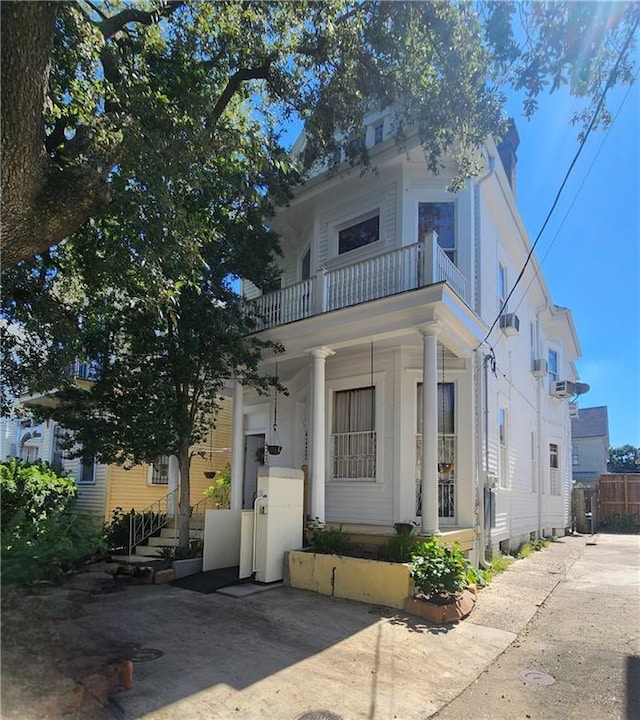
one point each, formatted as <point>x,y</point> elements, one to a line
<point>253,460</point>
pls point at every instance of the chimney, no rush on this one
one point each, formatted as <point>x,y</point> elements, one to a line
<point>507,150</point>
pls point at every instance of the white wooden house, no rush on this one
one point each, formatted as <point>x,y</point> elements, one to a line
<point>397,407</point>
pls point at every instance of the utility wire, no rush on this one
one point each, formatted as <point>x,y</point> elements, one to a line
<point>610,80</point>
<point>575,199</point>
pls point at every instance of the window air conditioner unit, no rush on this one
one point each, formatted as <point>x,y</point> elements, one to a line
<point>562,389</point>
<point>573,410</point>
<point>540,367</point>
<point>510,323</point>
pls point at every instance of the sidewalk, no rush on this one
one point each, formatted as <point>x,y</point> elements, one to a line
<point>579,657</point>
<point>280,654</point>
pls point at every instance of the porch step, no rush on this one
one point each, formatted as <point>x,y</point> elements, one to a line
<point>148,551</point>
<point>167,538</point>
<point>171,532</point>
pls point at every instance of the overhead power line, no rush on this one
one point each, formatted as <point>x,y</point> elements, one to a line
<point>610,80</point>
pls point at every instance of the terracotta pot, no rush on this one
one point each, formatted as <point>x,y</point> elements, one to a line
<point>442,613</point>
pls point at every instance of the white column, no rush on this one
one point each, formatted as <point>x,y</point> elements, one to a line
<point>318,432</point>
<point>237,447</point>
<point>173,477</point>
<point>430,430</point>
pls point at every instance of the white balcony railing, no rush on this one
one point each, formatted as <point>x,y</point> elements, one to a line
<point>406,268</point>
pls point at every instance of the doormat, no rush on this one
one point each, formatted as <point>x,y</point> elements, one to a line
<point>209,581</point>
<point>244,589</point>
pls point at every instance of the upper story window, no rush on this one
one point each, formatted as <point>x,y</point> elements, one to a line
<point>553,366</point>
<point>439,217</point>
<point>378,133</point>
<point>362,233</point>
<point>502,288</point>
<point>305,269</point>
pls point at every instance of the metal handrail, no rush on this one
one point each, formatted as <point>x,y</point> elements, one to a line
<point>153,518</point>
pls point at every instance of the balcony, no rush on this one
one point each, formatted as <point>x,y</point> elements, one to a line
<point>407,268</point>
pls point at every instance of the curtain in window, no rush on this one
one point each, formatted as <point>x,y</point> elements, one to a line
<point>353,442</point>
<point>446,419</point>
<point>354,410</point>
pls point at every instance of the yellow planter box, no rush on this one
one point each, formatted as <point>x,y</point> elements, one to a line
<point>370,581</point>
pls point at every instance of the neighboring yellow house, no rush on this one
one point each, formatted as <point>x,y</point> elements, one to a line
<point>103,488</point>
<point>143,485</point>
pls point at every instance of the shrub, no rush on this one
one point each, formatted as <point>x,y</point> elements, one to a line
<point>116,532</point>
<point>220,489</point>
<point>438,570</point>
<point>40,537</point>
<point>401,548</point>
<point>620,522</point>
<point>330,542</point>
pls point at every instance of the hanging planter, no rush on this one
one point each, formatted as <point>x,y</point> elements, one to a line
<point>209,474</point>
<point>446,466</point>
<point>275,447</point>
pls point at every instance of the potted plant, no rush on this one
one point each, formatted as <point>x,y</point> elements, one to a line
<point>444,582</point>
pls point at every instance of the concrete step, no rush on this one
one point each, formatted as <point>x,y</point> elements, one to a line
<point>161,541</point>
<point>148,551</point>
<point>171,534</point>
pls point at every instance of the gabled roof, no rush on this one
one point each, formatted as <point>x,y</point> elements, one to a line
<point>591,422</point>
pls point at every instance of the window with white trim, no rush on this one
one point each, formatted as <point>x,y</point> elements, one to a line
<point>503,458</point>
<point>502,288</point>
<point>364,232</point>
<point>554,469</point>
<point>160,471</point>
<point>87,471</point>
<point>553,366</point>
<point>353,437</point>
<point>439,217</point>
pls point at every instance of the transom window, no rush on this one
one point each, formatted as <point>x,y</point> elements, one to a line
<point>362,233</point>
<point>353,435</point>
<point>439,217</point>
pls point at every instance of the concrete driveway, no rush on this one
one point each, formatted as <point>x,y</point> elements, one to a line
<point>279,654</point>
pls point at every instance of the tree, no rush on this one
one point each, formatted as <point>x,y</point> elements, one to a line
<point>157,155</point>
<point>73,75</point>
<point>624,459</point>
<point>146,292</point>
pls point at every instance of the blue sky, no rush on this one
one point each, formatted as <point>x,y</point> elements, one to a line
<point>590,249</point>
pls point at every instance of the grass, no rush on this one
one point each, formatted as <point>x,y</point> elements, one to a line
<point>528,548</point>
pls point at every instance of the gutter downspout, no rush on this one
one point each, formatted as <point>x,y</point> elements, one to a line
<point>482,426</point>
<point>540,483</point>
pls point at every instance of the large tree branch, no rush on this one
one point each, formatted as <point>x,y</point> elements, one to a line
<point>111,25</point>
<point>234,82</point>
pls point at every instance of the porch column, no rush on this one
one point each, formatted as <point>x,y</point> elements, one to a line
<point>237,447</point>
<point>318,432</point>
<point>429,477</point>
<point>173,478</point>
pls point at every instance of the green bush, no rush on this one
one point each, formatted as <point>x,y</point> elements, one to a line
<point>220,489</point>
<point>400,548</point>
<point>440,570</point>
<point>116,532</point>
<point>40,537</point>
<point>620,522</point>
<point>330,542</point>
<point>33,489</point>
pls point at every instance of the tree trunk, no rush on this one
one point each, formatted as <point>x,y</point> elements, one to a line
<point>184,497</point>
<point>43,202</point>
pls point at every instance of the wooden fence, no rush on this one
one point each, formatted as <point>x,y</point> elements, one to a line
<point>618,495</point>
